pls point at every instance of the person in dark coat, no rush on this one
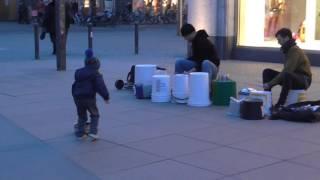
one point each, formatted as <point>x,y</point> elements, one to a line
<point>204,57</point>
<point>88,82</point>
<point>23,16</point>
<point>75,7</point>
<point>49,24</point>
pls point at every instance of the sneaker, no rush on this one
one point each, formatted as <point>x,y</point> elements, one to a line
<point>274,116</point>
<point>80,135</point>
<point>93,137</point>
<point>277,108</point>
<point>86,128</point>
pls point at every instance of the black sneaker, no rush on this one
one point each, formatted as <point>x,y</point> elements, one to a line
<point>276,108</point>
<point>274,116</point>
<point>86,128</point>
<point>275,112</point>
<point>80,135</point>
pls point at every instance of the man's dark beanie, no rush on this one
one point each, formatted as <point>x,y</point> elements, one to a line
<point>187,29</point>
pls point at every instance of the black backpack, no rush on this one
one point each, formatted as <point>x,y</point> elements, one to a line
<point>308,111</point>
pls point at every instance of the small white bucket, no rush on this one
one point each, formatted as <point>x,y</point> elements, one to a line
<point>160,88</point>
<point>180,91</point>
<point>199,89</point>
<point>295,96</point>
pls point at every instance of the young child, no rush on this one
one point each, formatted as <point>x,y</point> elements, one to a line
<point>88,82</point>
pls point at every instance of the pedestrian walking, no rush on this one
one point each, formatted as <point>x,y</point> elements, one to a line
<point>49,25</point>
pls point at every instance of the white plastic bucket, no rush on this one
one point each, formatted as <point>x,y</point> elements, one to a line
<point>266,97</point>
<point>160,88</point>
<point>143,74</point>
<point>295,96</point>
<point>180,91</point>
<point>199,89</point>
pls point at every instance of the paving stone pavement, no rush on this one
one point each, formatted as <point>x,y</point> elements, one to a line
<point>139,140</point>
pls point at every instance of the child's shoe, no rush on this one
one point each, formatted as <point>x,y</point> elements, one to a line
<point>80,136</point>
<point>86,128</point>
<point>93,137</point>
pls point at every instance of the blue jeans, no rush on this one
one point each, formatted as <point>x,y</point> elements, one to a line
<point>207,66</point>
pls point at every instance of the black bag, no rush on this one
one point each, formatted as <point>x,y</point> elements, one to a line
<point>308,111</point>
<point>130,76</point>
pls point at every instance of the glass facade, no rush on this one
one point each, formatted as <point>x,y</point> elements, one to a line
<point>154,6</point>
<point>259,20</point>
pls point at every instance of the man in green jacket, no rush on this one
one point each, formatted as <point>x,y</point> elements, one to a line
<point>296,73</point>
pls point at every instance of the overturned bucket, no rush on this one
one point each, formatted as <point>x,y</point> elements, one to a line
<point>160,88</point>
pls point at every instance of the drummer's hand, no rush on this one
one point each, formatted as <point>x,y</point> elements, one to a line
<point>190,71</point>
<point>266,86</point>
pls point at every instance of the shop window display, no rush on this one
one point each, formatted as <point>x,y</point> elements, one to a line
<point>275,10</point>
<point>259,20</point>
<point>155,11</point>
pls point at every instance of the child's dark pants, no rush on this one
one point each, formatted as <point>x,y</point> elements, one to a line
<point>84,105</point>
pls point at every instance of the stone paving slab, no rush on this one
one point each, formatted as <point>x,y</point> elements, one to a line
<point>24,156</point>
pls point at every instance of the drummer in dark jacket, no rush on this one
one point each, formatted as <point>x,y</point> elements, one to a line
<point>204,57</point>
<point>88,82</point>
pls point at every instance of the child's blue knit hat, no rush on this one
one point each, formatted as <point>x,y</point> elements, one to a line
<point>89,53</point>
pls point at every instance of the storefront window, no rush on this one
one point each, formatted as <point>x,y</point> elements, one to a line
<point>154,11</point>
<point>87,3</point>
<point>154,7</point>
<point>259,20</point>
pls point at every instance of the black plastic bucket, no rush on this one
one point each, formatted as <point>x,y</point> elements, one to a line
<point>251,109</point>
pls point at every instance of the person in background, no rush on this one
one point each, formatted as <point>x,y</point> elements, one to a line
<point>49,25</point>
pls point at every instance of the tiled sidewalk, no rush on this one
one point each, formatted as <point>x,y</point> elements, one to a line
<point>141,140</point>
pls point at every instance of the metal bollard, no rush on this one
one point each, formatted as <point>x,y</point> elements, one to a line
<point>136,38</point>
<point>36,40</point>
<point>90,35</point>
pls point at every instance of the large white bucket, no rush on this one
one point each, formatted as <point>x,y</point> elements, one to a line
<point>199,89</point>
<point>180,91</point>
<point>143,74</point>
<point>160,88</point>
<point>295,96</point>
